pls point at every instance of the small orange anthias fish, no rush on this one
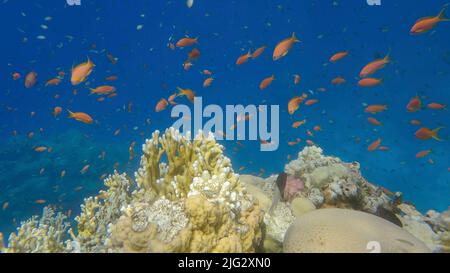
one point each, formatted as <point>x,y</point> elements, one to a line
<point>426,24</point>
<point>311,102</point>
<point>294,104</point>
<point>186,92</point>
<point>53,82</point>
<point>187,65</point>
<point>81,72</point>
<point>258,52</point>
<point>171,99</point>
<point>297,79</point>
<point>243,58</point>
<point>422,154</point>
<point>80,116</point>
<point>184,42</point>
<point>414,105</point>
<point>338,81</point>
<point>297,124</point>
<point>266,82</point>
<point>338,56</point>
<point>374,66</point>
<point>374,121</point>
<point>40,201</point>
<point>376,108</point>
<point>111,78</point>
<point>194,54</point>
<point>437,106</point>
<point>16,76</point>
<point>208,82</point>
<point>426,133</point>
<point>161,105</point>
<point>374,145</point>
<point>282,49</point>
<point>369,82</point>
<point>103,90</point>
<point>30,79</point>
<point>415,122</point>
<point>85,169</point>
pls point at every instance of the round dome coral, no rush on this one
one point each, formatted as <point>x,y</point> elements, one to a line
<point>342,230</point>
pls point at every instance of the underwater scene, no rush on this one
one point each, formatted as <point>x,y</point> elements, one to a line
<point>233,126</point>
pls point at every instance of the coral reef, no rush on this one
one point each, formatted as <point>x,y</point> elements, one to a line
<point>343,230</point>
<point>208,209</point>
<point>185,197</point>
<point>45,235</point>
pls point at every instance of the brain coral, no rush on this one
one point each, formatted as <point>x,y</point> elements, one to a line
<point>342,230</point>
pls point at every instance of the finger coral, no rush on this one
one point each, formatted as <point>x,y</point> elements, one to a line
<point>44,235</point>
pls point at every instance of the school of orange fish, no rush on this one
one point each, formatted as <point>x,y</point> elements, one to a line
<point>81,72</point>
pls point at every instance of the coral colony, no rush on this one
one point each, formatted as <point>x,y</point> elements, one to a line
<point>185,197</point>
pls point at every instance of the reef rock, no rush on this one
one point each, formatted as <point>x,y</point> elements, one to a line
<point>341,230</point>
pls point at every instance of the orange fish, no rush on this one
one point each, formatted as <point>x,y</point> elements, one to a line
<point>40,201</point>
<point>258,52</point>
<point>53,82</point>
<point>172,98</point>
<point>426,24</point>
<point>206,72</point>
<point>426,133</point>
<point>297,79</point>
<point>294,103</point>
<point>187,65</point>
<point>161,105</point>
<point>292,143</point>
<point>298,123</point>
<point>311,102</point>
<point>282,49</point>
<point>309,142</point>
<point>266,82</point>
<point>80,116</point>
<point>194,54</point>
<point>40,149</point>
<point>243,58</point>
<point>184,42</point>
<point>186,92</point>
<point>338,81</point>
<point>208,82</point>
<point>30,79</point>
<point>111,78</point>
<point>376,108</point>
<point>437,106</point>
<point>415,122</point>
<point>16,76</point>
<point>422,154</point>
<point>374,145</point>
<point>370,82</point>
<point>317,128</point>
<point>63,173</point>
<point>374,121</point>
<point>84,169</point>
<point>5,206</point>
<point>338,56</point>
<point>414,105</point>
<point>103,90</point>
<point>374,66</point>
<point>383,148</point>
<point>81,72</point>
